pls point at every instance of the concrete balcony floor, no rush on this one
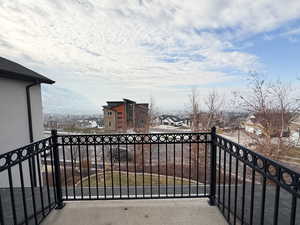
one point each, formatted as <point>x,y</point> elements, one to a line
<point>137,212</point>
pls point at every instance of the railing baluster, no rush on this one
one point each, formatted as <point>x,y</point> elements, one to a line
<point>1,212</point>
<point>205,168</point>
<point>219,176</point>
<point>190,167</point>
<point>88,169</point>
<point>276,204</point>
<point>120,175</point>
<point>263,198</point>
<point>65,171</point>
<point>236,189</point>
<point>104,171</point>
<point>151,191</point>
<point>12,197</point>
<point>213,165</point>
<point>47,178</point>
<point>23,193</point>
<point>224,182</point>
<point>72,167</point>
<point>166,170</point>
<point>112,172</point>
<point>197,168</point>
<point>181,169</point>
<point>40,184</point>
<point>293,209</point>
<point>143,168</point>
<point>52,175</point>
<point>96,168</point>
<point>229,187</point>
<point>80,167</point>
<point>243,194</point>
<point>59,200</point>
<point>252,196</point>
<point>174,169</point>
<point>32,191</point>
<point>127,172</point>
<point>158,167</point>
<point>135,178</point>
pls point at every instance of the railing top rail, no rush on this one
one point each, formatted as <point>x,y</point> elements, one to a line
<point>133,134</point>
<point>151,138</point>
<point>18,155</point>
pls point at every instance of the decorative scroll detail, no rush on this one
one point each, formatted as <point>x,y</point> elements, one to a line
<point>283,176</point>
<point>14,157</point>
<point>163,138</point>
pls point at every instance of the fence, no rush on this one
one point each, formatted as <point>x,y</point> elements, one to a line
<point>247,187</point>
<point>252,189</point>
<point>27,184</point>
<point>134,166</point>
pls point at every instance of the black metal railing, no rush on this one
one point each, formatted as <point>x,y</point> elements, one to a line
<point>27,190</point>
<point>134,166</point>
<point>247,187</point>
<point>253,189</point>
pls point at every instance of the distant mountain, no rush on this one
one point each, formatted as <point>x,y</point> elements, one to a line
<point>59,100</point>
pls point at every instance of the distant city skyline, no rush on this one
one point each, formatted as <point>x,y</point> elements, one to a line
<point>98,51</point>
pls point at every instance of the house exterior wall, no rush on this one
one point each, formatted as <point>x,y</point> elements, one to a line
<point>120,117</point>
<point>141,115</point>
<point>14,127</point>
<point>109,119</point>
<point>253,129</point>
<point>295,137</point>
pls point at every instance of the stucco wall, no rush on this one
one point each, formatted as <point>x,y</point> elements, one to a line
<point>14,131</point>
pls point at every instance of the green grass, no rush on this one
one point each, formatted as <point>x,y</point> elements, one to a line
<point>131,179</point>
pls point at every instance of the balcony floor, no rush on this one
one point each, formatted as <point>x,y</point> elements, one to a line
<point>137,212</point>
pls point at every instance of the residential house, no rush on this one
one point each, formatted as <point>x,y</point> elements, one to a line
<point>21,117</point>
<point>21,105</point>
<point>269,124</point>
<point>170,120</point>
<point>295,130</point>
<point>124,115</point>
<point>251,125</point>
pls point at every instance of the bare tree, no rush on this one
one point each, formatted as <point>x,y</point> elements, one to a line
<point>195,110</point>
<point>152,113</point>
<point>273,105</point>
<point>214,103</point>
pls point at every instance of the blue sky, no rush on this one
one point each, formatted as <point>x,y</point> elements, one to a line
<point>112,49</point>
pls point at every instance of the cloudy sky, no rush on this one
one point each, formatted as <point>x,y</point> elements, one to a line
<point>99,50</point>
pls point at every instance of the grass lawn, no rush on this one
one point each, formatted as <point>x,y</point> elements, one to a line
<point>131,179</point>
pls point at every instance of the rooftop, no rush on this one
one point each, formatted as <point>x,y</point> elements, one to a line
<point>13,70</point>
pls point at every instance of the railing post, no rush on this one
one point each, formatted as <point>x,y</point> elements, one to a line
<point>213,167</point>
<point>59,203</point>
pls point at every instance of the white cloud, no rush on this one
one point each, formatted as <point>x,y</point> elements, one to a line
<point>291,32</point>
<point>136,47</point>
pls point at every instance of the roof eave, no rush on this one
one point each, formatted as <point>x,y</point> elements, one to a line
<point>16,76</point>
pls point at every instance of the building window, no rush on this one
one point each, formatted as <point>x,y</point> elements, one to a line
<point>109,124</point>
<point>119,113</point>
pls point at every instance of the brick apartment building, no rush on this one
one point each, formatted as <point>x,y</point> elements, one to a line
<point>124,115</point>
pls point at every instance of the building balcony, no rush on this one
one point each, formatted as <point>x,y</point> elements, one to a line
<point>167,178</point>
